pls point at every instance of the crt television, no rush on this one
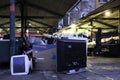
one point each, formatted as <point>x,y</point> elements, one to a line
<point>71,54</point>
<point>20,65</point>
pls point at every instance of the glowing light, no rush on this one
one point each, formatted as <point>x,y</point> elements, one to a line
<point>30,24</point>
<point>37,31</point>
<point>107,13</point>
<point>27,30</point>
<point>73,26</point>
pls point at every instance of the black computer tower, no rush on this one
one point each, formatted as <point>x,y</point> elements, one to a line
<point>71,54</point>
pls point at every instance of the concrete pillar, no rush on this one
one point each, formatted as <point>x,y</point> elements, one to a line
<point>12,27</point>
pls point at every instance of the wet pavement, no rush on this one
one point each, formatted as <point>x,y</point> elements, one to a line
<point>98,68</point>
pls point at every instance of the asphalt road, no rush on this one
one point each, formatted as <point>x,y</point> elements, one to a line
<point>98,68</point>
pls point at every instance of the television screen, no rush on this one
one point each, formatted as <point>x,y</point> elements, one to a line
<point>20,65</point>
<point>71,54</point>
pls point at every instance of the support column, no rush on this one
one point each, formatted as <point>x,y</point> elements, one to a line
<point>12,27</point>
<point>119,24</point>
<point>22,19</point>
<point>91,29</point>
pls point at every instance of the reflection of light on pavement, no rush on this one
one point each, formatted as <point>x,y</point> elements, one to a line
<point>40,58</point>
<point>36,51</point>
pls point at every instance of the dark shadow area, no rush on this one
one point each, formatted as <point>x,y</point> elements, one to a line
<point>4,65</point>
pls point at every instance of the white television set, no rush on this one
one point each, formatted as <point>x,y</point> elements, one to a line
<point>20,65</point>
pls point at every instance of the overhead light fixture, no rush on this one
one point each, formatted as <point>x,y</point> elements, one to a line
<point>38,31</point>
<point>107,13</point>
<point>73,26</point>
<point>30,24</point>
